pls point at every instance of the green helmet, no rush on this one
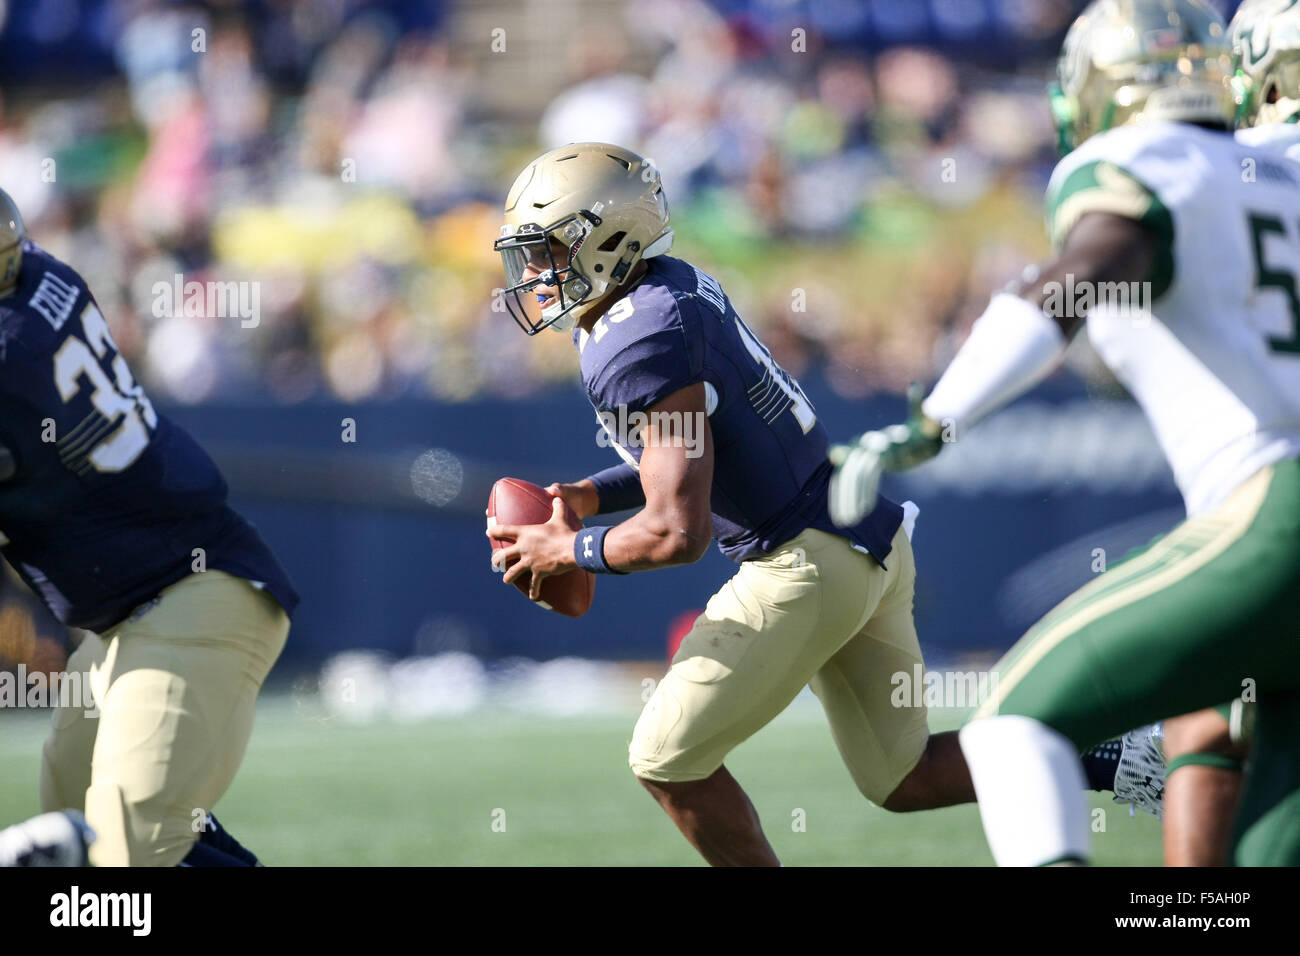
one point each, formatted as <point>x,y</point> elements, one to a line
<point>12,235</point>
<point>1139,62</point>
<point>1265,37</point>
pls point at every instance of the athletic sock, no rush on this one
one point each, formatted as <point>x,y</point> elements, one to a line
<point>1030,785</point>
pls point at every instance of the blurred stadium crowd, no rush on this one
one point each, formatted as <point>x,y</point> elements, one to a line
<point>858,177</point>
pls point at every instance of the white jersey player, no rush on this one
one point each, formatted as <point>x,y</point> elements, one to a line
<point>1180,247</point>
<point>1214,359</point>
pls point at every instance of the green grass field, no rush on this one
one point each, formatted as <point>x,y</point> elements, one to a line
<point>314,791</point>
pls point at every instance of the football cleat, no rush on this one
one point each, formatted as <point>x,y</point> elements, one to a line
<point>51,839</point>
<point>216,847</point>
<point>1140,773</point>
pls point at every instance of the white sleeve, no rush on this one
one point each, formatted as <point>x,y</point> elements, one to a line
<point>1012,347</point>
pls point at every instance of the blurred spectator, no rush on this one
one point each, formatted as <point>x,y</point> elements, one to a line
<point>856,176</point>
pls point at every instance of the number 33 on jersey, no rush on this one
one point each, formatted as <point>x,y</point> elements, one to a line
<point>117,429</point>
<point>107,501</point>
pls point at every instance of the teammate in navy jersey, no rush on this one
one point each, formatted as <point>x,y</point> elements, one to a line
<point>719,442</point>
<point>118,520</point>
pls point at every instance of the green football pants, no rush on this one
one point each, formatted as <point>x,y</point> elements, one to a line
<point>1209,612</point>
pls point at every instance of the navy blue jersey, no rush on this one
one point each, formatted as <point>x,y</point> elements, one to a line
<point>108,500</point>
<point>676,328</point>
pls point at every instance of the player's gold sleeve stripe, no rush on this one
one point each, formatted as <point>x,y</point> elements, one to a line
<point>1076,206</point>
<point>1229,524</point>
<point>1102,186</point>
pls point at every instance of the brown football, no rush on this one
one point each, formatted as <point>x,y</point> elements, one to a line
<point>514,501</point>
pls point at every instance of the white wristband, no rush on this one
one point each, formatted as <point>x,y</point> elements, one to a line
<point>1012,347</point>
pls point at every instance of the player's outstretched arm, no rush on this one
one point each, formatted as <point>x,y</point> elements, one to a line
<point>860,462</point>
<point>1023,333</point>
<point>1020,338</point>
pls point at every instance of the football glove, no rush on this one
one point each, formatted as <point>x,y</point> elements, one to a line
<point>859,463</point>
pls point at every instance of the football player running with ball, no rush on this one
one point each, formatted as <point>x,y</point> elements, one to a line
<point>730,450</point>
<point>1151,190</point>
<point>118,520</point>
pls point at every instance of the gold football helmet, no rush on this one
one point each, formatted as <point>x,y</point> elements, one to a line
<point>577,221</point>
<point>1265,36</point>
<point>12,235</point>
<point>1142,61</point>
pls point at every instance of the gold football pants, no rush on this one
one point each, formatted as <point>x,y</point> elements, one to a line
<point>174,690</point>
<point>814,612</point>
